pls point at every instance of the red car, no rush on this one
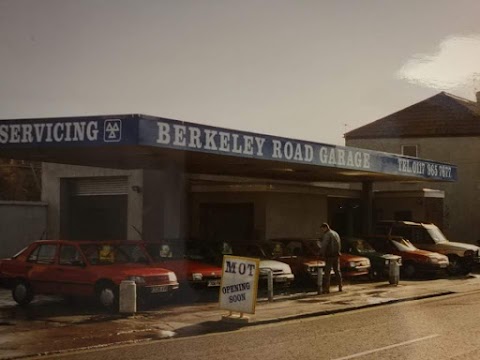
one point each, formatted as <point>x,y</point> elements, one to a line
<point>414,260</point>
<point>81,268</point>
<point>190,271</point>
<point>308,250</point>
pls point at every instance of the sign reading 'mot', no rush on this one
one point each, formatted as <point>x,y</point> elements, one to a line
<point>238,291</point>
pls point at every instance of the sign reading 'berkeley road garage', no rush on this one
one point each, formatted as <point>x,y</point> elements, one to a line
<point>238,291</point>
<point>166,133</point>
<point>192,137</point>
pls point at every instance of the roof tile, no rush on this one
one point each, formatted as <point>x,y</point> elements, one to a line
<point>440,115</point>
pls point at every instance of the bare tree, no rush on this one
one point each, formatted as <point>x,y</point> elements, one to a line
<point>20,180</point>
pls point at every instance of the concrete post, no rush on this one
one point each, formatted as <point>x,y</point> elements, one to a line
<point>320,281</point>
<point>128,297</point>
<point>270,285</point>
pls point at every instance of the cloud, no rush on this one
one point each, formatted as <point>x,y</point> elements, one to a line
<point>455,66</point>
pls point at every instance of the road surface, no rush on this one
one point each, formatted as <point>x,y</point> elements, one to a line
<point>440,328</point>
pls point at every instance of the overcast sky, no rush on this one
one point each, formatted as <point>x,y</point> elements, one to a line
<point>302,69</point>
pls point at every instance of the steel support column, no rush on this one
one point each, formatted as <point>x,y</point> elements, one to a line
<point>367,204</point>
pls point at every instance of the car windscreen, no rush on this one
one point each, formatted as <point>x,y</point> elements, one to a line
<point>164,251</point>
<point>403,245</point>
<point>313,247</point>
<point>249,250</point>
<point>108,254</point>
<point>287,248</point>
<point>19,253</point>
<point>436,234</point>
<point>361,246</point>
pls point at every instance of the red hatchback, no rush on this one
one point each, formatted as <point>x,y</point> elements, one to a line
<point>414,260</point>
<point>190,270</point>
<point>81,268</point>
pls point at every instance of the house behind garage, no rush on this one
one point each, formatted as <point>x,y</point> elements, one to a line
<point>443,127</point>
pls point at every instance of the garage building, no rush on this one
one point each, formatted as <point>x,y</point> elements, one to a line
<point>136,176</point>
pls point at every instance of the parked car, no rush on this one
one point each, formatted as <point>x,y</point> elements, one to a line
<point>427,236</point>
<point>305,268</point>
<point>300,252</point>
<point>83,268</point>
<point>414,260</point>
<point>190,270</point>
<point>281,272</point>
<point>379,262</point>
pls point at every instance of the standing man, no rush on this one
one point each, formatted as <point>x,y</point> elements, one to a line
<point>331,251</point>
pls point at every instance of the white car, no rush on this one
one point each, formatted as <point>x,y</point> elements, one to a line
<point>281,272</point>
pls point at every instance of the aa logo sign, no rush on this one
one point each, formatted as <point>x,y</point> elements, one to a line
<point>113,130</point>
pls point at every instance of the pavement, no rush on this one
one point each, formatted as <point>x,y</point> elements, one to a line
<point>50,325</point>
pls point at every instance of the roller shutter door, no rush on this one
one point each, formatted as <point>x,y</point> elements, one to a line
<point>100,186</point>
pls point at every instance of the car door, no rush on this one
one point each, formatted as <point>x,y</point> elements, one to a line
<point>72,273</point>
<point>41,273</point>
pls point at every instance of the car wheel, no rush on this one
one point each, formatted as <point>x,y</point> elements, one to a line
<point>409,270</point>
<point>22,293</point>
<point>107,296</point>
<point>373,274</point>
<point>454,266</point>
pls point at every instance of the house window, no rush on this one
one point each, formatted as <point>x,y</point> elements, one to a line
<point>410,150</point>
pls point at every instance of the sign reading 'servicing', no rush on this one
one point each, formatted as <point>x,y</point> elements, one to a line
<point>238,291</point>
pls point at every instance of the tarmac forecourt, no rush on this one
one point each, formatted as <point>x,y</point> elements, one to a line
<point>27,332</point>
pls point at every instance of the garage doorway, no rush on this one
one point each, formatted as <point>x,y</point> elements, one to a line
<point>95,209</point>
<point>226,222</point>
<point>345,216</point>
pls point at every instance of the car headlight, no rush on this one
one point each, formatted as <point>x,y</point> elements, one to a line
<point>139,280</point>
<point>171,276</point>
<point>197,276</point>
<point>352,264</point>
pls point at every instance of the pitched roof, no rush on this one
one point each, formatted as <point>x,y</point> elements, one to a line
<point>440,115</point>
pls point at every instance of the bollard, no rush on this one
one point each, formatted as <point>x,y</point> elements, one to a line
<point>394,271</point>
<point>319,280</point>
<point>270,285</point>
<point>128,297</point>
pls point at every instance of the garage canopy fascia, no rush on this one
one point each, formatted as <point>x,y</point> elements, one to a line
<point>144,142</point>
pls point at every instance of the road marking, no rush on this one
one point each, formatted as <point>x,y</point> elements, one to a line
<point>388,347</point>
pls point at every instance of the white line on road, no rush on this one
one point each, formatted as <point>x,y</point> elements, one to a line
<point>388,347</point>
